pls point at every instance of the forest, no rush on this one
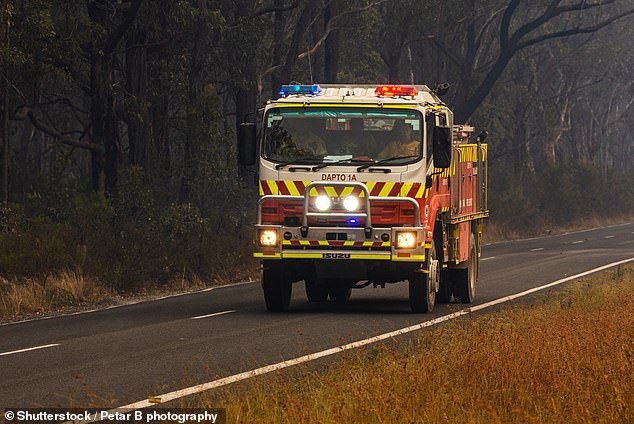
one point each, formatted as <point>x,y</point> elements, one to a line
<point>119,117</point>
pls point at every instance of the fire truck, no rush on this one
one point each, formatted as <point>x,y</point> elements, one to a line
<point>366,185</point>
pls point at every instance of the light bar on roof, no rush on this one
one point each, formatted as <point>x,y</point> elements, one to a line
<point>289,89</point>
<point>396,90</point>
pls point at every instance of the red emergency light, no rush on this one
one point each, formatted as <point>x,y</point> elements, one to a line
<point>396,90</point>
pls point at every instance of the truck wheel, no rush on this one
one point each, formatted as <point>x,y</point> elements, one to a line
<point>277,289</point>
<point>316,290</point>
<point>339,291</point>
<point>444,288</point>
<point>422,286</point>
<point>464,280</point>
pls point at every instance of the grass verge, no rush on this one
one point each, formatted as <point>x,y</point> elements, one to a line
<point>72,291</point>
<point>33,296</point>
<point>567,356</point>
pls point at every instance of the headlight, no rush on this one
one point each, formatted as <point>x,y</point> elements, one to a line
<point>268,238</point>
<point>351,203</point>
<point>322,203</point>
<point>405,240</point>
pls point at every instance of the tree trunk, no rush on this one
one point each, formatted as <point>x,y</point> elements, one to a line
<point>103,117</point>
<point>195,107</point>
<point>4,140</point>
<point>136,83</point>
<point>331,46</point>
<point>104,124</point>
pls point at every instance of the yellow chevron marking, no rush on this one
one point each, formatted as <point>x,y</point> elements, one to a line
<point>385,191</point>
<point>273,187</point>
<point>348,243</point>
<point>347,191</point>
<point>330,191</point>
<point>405,188</point>
<point>292,188</point>
<point>323,243</point>
<point>421,192</point>
<point>304,243</point>
<point>261,189</point>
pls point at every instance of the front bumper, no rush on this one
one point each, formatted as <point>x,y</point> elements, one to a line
<point>341,242</point>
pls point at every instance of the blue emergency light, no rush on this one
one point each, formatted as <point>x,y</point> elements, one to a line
<point>313,89</point>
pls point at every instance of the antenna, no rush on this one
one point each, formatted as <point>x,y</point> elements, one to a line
<point>310,65</point>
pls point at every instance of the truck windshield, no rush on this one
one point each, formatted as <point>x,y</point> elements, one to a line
<point>344,136</point>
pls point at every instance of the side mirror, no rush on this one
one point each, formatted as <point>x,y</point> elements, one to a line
<point>442,147</point>
<point>247,144</point>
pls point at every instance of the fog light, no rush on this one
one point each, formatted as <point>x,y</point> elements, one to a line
<point>322,203</point>
<point>268,238</point>
<point>405,240</point>
<point>351,203</point>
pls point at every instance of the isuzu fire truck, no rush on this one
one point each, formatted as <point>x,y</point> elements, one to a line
<point>366,185</point>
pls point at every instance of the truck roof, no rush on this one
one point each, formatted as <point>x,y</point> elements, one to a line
<point>359,93</point>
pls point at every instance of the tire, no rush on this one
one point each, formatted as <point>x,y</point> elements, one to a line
<point>464,280</point>
<point>422,293</point>
<point>339,290</point>
<point>316,290</point>
<point>277,289</point>
<point>444,289</point>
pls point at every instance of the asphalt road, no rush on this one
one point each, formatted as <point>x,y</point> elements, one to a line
<point>121,355</point>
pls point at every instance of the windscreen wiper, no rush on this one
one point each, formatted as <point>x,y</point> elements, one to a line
<point>311,160</point>
<point>342,161</point>
<point>384,161</point>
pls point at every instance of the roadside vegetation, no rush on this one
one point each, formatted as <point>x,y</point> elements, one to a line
<point>564,356</point>
<point>108,249</point>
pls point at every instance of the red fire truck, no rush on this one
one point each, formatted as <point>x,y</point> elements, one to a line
<point>366,185</point>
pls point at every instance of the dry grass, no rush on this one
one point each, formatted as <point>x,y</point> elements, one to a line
<point>566,357</point>
<point>30,296</point>
<point>72,291</point>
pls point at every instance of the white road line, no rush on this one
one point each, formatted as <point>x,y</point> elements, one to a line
<point>167,397</point>
<point>486,259</point>
<point>537,249</point>
<point>134,302</point>
<point>608,237</point>
<point>577,242</point>
<point>28,349</point>
<point>212,315</point>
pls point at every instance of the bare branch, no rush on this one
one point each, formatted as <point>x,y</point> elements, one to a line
<point>330,27</point>
<point>551,12</point>
<point>506,23</point>
<point>26,112</point>
<point>573,31</point>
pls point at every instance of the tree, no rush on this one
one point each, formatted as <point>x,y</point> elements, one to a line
<point>5,24</point>
<point>523,27</point>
